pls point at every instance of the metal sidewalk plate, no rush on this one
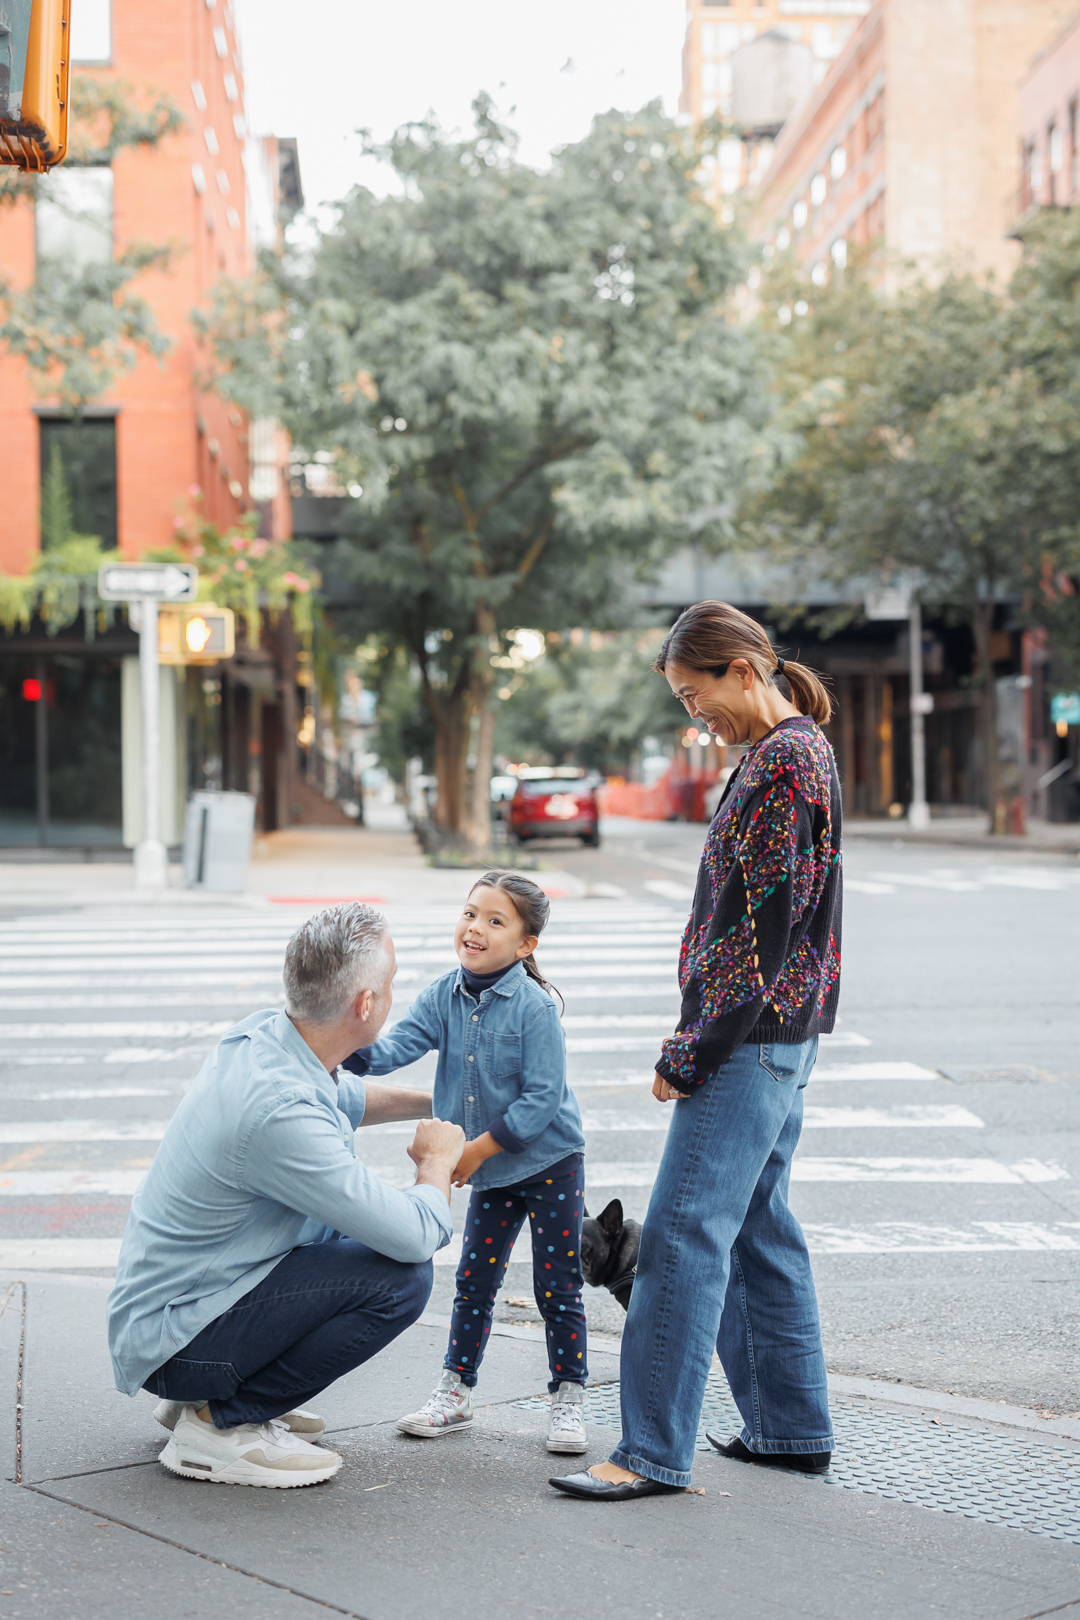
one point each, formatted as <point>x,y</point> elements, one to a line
<point>995,1475</point>
<point>167,582</point>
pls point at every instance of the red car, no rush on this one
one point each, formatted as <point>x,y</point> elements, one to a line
<point>558,803</point>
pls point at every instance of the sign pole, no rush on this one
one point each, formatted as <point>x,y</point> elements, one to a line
<point>151,856</point>
<point>144,585</point>
<point>918,810</point>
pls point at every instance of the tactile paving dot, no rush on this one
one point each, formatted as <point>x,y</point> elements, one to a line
<point>952,1467</point>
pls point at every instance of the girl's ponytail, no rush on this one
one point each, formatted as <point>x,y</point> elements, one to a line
<point>532,906</point>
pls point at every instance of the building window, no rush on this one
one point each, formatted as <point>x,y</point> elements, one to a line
<point>839,253</point>
<point>838,162</point>
<point>78,454</point>
<point>73,216</point>
<point>818,188</point>
<point>798,214</point>
<point>1074,155</point>
<point>1055,154</point>
<point>91,31</point>
<point>1034,169</point>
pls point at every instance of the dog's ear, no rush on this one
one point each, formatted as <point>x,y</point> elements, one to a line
<point>585,1213</point>
<point>611,1220</point>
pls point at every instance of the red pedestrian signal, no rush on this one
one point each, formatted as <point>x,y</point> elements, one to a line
<point>31,690</point>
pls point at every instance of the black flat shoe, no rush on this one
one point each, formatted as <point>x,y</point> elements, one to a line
<point>607,1490</point>
<point>803,1462</point>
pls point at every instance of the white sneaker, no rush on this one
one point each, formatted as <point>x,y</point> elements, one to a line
<point>298,1422</point>
<point>566,1426</point>
<point>251,1454</point>
<point>450,1407</point>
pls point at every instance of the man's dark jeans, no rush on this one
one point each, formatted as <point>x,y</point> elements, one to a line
<point>323,1310</point>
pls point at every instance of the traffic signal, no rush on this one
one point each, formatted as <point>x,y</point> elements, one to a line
<point>35,71</point>
<point>195,635</point>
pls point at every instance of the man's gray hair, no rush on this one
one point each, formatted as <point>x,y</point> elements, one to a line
<point>331,958</point>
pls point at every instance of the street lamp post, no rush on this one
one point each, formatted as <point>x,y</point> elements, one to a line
<point>921,703</point>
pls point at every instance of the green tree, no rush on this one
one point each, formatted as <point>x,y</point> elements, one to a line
<point>934,433</point>
<point>531,376</point>
<point>75,325</point>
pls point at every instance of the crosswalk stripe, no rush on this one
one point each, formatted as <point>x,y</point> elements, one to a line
<point>83,1130</point>
<point>150,1029</point>
<point>873,1071</point>
<point>811,1168</point>
<point>243,996</point>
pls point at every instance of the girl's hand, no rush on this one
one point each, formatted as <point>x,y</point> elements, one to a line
<point>665,1093</point>
<point>476,1153</point>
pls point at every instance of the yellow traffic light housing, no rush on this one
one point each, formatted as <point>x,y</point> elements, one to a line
<point>199,634</point>
<point>35,71</point>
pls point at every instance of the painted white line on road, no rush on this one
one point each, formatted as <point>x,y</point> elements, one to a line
<point>859,886</point>
<point>575,1046</point>
<point>948,884</point>
<point>83,1130</point>
<point>155,1030</point>
<point>94,1093</point>
<point>253,997</point>
<point>59,1254</point>
<point>957,1171</point>
<point>960,1172</point>
<point>241,979</point>
<point>617,1021</point>
<point>873,1071</point>
<point>905,1237</point>
<point>117,1183</point>
<point>945,1117</point>
<point>669,888</point>
<point>843,1037</point>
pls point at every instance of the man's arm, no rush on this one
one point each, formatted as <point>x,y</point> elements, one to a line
<point>386,1103</point>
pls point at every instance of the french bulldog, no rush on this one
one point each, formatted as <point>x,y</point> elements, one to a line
<point>609,1251</point>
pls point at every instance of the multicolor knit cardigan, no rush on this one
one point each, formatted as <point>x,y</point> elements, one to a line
<point>760,957</point>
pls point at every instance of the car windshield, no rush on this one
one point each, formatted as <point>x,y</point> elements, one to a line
<point>554,785</point>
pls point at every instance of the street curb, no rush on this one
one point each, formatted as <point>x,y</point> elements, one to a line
<point>985,1411</point>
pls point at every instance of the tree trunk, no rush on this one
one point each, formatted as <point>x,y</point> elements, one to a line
<point>451,713</point>
<point>480,819</point>
<point>982,624</point>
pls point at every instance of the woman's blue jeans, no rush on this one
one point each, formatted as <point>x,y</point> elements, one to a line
<point>723,1263</point>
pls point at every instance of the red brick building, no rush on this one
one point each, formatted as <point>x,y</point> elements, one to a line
<point>154,442</point>
<point>1049,133</point>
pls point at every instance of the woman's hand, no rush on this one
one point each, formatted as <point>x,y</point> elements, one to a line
<point>665,1093</point>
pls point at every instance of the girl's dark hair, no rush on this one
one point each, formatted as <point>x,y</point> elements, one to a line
<point>709,635</point>
<point>532,906</point>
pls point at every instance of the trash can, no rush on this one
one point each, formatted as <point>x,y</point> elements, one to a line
<point>218,830</point>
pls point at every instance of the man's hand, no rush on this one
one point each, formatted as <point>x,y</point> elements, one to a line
<point>665,1093</point>
<point>480,1149</point>
<point>435,1150</point>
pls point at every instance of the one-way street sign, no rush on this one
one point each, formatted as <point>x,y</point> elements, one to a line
<point>131,582</point>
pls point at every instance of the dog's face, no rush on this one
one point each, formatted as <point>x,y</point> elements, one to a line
<point>609,1245</point>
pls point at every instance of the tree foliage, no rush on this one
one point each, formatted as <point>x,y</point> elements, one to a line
<point>934,433</point>
<point>532,378</point>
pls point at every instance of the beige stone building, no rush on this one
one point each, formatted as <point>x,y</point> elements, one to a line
<point>910,139</point>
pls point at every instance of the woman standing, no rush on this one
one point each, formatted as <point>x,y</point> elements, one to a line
<point>723,1261</point>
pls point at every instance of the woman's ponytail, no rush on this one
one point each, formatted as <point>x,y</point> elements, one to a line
<point>808,692</point>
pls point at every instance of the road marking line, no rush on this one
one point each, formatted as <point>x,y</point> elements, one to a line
<point>59,1254</point>
<point>254,998</point>
<point>873,1071</point>
<point>809,1167</point>
<point>161,1030</point>
<point>946,1117</point>
<point>83,1130</point>
<point>114,1183</point>
<point>905,1237</point>
<point>669,888</point>
<point>859,886</point>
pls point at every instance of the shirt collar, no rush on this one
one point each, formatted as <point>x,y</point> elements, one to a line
<point>506,986</point>
<point>293,1043</point>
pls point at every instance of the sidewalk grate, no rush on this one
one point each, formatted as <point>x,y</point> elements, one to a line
<point>999,1478</point>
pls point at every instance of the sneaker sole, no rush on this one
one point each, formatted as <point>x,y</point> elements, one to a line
<point>424,1432</point>
<point>242,1473</point>
<point>568,1447</point>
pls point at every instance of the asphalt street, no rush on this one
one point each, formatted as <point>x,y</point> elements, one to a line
<point>939,1171</point>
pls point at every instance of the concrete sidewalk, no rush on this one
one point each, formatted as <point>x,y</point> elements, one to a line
<point>468,1528</point>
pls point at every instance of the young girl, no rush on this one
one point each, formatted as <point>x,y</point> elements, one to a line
<point>502,1077</point>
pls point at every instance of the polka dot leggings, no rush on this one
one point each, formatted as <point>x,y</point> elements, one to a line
<point>553,1206</point>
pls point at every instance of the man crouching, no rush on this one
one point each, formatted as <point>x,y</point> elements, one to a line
<point>261,1259</point>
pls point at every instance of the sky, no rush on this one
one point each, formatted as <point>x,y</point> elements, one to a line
<point>325,68</point>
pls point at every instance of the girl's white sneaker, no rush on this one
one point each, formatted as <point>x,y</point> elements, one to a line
<point>251,1454</point>
<point>566,1426</point>
<point>449,1408</point>
<point>308,1424</point>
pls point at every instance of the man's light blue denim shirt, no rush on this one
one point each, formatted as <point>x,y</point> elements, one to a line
<point>257,1159</point>
<point>502,1068</point>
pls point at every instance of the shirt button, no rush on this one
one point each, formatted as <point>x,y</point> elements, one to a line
<point>472,1099</point>
<point>470,1057</point>
<point>476,1018</point>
